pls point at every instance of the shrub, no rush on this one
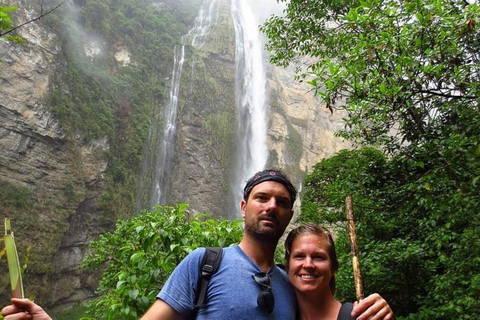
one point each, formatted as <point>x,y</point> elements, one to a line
<point>139,255</point>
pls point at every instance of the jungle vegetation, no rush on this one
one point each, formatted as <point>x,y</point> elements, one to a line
<point>406,74</point>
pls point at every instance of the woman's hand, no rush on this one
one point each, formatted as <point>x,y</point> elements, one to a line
<point>373,307</point>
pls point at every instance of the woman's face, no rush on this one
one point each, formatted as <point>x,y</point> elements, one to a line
<point>310,266</point>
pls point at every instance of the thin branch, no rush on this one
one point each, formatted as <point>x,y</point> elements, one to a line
<point>33,20</point>
<point>446,95</point>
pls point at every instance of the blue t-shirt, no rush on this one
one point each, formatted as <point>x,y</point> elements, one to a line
<point>232,292</point>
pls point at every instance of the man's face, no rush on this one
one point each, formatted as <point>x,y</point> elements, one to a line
<point>267,211</point>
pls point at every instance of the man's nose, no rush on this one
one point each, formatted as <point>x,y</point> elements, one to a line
<point>272,203</point>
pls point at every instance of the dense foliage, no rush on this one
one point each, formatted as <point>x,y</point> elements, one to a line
<point>418,230</point>
<point>406,75</point>
<point>407,66</point>
<point>142,252</point>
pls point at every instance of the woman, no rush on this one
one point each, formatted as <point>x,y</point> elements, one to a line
<point>312,264</point>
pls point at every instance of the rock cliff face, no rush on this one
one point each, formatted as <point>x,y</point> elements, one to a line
<point>206,131</point>
<point>61,176</point>
<point>55,183</point>
<point>301,130</point>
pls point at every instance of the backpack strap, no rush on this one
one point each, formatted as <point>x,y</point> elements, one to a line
<point>282,266</point>
<point>345,311</point>
<point>210,262</point>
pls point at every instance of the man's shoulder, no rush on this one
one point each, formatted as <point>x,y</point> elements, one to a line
<point>196,256</point>
<point>230,251</point>
<point>198,252</point>
<point>192,259</point>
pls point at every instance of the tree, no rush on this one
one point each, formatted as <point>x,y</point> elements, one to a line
<point>419,245</point>
<point>7,25</point>
<point>407,67</point>
<point>406,74</point>
<point>139,255</point>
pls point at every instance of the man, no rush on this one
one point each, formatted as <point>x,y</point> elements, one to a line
<point>247,285</point>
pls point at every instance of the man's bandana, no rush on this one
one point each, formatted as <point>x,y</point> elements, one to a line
<point>269,176</point>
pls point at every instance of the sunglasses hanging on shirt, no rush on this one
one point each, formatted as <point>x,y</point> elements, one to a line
<point>265,299</point>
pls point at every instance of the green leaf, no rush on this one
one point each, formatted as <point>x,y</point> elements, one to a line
<point>136,257</point>
<point>14,268</point>
<point>133,294</point>
<point>382,88</point>
<point>475,180</point>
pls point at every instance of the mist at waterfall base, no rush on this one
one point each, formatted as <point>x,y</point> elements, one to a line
<point>251,152</point>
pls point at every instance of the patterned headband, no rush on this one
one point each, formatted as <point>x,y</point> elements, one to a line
<point>269,176</point>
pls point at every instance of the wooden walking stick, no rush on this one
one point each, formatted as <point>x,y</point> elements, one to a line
<point>353,248</point>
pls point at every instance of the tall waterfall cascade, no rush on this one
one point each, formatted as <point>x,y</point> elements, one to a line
<point>167,148</point>
<point>196,37</point>
<point>252,153</point>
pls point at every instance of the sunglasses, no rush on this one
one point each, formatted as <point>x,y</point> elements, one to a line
<point>265,299</point>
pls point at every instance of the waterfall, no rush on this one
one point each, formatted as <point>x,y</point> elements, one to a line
<point>206,17</point>
<point>165,160</point>
<point>252,153</point>
<point>167,148</point>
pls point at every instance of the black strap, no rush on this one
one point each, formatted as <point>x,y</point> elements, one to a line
<point>345,311</point>
<point>282,266</point>
<point>210,262</point>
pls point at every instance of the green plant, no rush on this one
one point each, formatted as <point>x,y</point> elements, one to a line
<point>6,22</point>
<point>6,25</point>
<point>417,226</point>
<point>142,252</point>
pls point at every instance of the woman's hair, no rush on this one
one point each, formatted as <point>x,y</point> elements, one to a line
<point>310,228</point>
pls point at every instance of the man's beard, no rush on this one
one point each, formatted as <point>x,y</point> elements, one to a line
<point>267,235</point>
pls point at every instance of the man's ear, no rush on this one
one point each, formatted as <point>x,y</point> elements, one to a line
<point>243,204</point>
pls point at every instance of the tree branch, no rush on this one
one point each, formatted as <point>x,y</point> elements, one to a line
<point>33,20</point>
<point>445,95</point>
